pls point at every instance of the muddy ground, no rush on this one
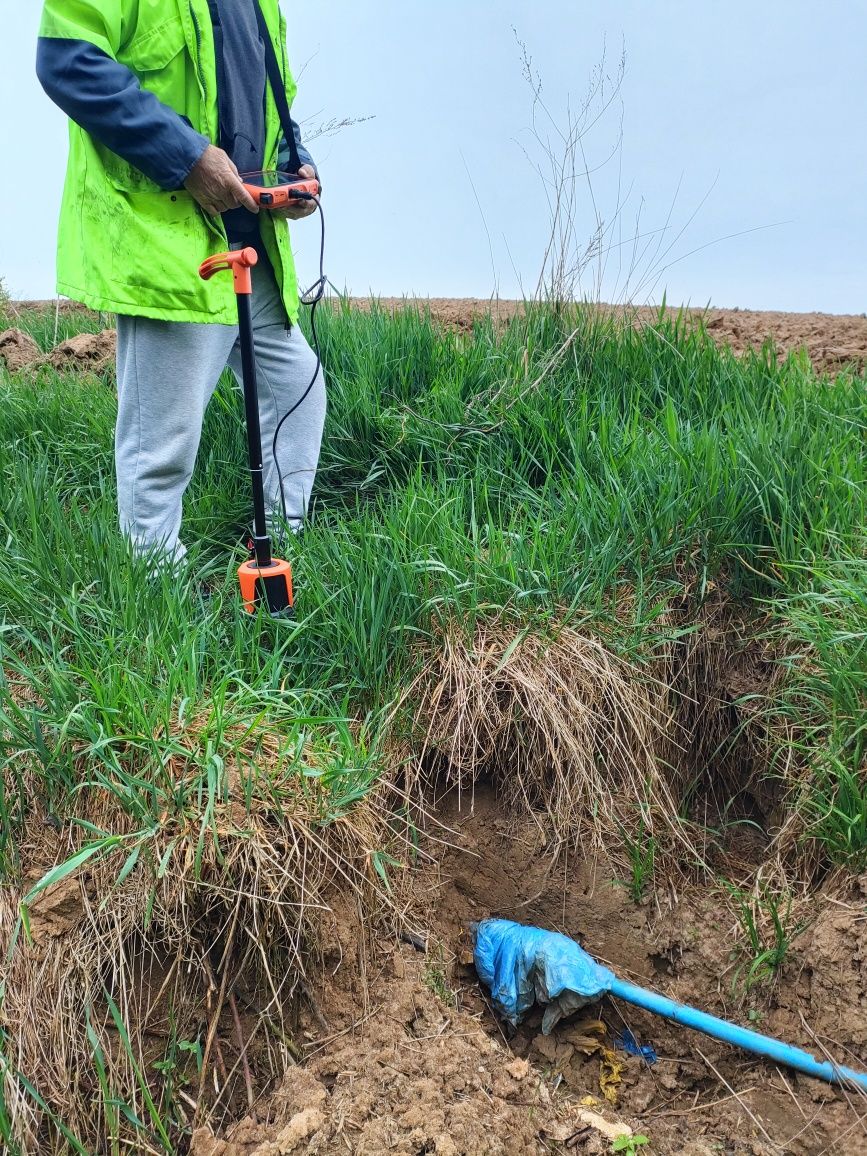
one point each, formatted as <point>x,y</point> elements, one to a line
<point>832,341</point>
<point>414,1060</point>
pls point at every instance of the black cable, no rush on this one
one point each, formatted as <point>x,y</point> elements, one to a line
<point>311,297</point>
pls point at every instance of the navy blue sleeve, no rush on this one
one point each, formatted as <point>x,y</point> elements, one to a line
<point>107,101</point>
<point>303,155</point>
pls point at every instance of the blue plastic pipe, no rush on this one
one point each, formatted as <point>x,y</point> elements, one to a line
<point>514,960</point>
<point>765,1046</point>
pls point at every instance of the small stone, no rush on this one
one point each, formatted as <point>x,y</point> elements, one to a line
<point>299,1128</point>
<point>611,1130</point>
<point>546,1046</point>
<point>518,1069</point>
<point>445,1146</point>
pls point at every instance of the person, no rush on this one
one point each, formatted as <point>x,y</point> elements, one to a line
<point>168,104</point>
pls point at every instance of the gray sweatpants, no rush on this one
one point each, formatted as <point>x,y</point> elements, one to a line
<point>166,374</point>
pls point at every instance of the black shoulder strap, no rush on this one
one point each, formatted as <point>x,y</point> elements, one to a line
<point>220,61</point>
<point>278,88</point>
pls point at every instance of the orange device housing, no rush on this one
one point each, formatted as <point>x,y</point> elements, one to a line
<point>272,190</point>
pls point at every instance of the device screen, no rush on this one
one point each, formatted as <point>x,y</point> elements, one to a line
<point>270,180</point>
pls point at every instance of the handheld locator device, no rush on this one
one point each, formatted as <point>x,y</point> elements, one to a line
<point>272,190</point>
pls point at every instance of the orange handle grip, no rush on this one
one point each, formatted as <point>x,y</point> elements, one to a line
<point>240,261</point>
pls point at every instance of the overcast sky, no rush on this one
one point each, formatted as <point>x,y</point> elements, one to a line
<point>745,117</point>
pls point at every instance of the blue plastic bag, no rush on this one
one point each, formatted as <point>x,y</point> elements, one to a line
<point>627,1042</point>
<point>525,965</point>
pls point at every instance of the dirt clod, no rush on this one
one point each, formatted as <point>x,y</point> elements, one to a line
<point>91,351</point>
<point>518,1069</point>
<point>56,910</point>
<point>18,349</point>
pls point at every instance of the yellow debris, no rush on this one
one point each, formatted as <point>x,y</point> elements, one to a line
<point>610,1075</point>
<point>585,1036</point>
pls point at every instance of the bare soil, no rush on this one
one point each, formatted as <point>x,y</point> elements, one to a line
<point>414,1061</point>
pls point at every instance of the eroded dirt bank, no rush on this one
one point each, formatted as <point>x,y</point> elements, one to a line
<point>414,1061</point>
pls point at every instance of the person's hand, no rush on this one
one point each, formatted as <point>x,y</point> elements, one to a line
<point>297,210</point>
<point>214,182</point>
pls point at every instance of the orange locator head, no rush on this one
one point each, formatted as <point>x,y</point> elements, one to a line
<point>240,261</point>
<point>268,588</point>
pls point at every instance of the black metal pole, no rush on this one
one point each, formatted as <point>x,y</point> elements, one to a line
<point>261,538</point>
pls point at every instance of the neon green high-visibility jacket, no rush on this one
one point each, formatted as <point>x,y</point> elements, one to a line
<point>125,244</point>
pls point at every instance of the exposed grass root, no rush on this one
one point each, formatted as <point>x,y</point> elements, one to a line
<point>682,747</point>
<point>563,725</point>
<point>732,769</point>
<point>121,1009</point>
<point>766,761</point>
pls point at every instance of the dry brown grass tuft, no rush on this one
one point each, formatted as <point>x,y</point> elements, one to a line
<point>563,725</point>
<point>216,915</point>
